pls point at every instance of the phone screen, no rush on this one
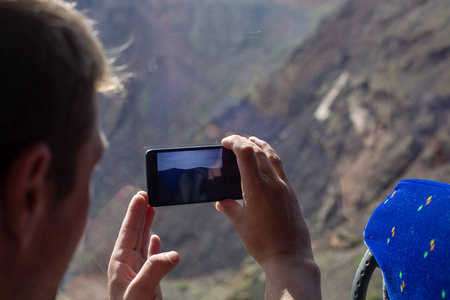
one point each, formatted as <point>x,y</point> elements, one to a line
<point>192,175</point>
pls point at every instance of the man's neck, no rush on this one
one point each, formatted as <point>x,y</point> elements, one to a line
<point>26,287</point>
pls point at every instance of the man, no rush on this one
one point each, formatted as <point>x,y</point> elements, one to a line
<point>52,68</point>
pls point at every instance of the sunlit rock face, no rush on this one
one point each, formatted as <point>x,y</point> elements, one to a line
<point>380,69</point>
<point>386,119</point>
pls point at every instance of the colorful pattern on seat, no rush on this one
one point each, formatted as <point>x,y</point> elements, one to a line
<point>409,236</point>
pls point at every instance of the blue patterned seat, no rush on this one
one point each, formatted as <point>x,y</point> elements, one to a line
<point>408,236</point>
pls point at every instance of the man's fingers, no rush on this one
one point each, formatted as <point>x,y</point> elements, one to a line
<point>272,157</point>
<point>246,159</point>
<point>255,160</point>
<point>147,229</point>
<point>132,224</point>
<point>265,165</point>
<point>155,245</point>
<point>151,273</point>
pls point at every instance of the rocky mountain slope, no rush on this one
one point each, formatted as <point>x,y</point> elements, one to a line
<point>188,88</point>
<point>361,103</point>
<point>372,87</point>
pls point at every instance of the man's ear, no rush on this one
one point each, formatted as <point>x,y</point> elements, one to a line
<point>27,191</point>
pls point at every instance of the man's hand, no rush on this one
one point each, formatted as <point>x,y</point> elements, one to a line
<point>270,222</point>
<point>136,266</point>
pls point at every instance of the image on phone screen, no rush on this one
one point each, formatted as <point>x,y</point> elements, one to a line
<point>192,175</point>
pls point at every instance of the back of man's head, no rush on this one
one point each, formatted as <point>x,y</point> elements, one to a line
<point>51,67</point>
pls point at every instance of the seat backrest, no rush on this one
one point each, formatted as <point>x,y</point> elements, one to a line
<point>409,237</point>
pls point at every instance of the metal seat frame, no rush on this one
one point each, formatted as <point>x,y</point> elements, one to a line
<point>363,275</point>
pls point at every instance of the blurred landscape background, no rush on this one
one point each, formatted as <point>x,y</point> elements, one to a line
<point>354,95</point>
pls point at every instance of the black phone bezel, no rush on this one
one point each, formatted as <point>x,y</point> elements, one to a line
<point>152,173</point>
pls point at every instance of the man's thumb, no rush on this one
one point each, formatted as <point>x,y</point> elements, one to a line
<point>230,208</point>
<point>151,273</point>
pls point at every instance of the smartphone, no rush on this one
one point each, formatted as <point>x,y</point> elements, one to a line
<point>192,175</point>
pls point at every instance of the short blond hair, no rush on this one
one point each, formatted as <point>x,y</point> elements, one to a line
<point>51,67</point>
